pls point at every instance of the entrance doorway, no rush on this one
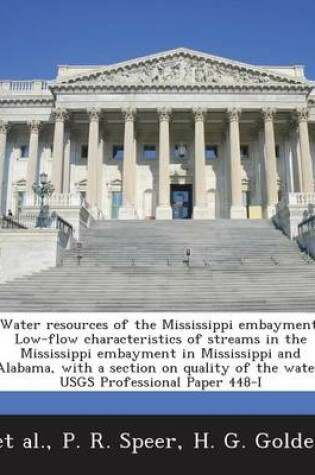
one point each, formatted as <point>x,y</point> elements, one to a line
<point>116,203</point>
<point>181,201</point>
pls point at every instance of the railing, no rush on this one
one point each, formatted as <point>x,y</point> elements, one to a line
<point>29,221</point>
<point>56,199</point>
<point>242,263</point>
<point>306,225</point>
<point>299,198</point>
<point>63,225</point>
<point>306,237</point>
<point>8,222</point>
<point>21,85</point>
<point>25,87</point>
<point>65,199</point>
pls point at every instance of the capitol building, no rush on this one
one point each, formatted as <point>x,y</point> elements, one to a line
<point>175,135</point>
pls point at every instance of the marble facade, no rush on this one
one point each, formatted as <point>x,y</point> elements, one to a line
<point>170,135</point>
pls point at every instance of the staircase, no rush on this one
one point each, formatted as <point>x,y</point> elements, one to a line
<point>234,265</point>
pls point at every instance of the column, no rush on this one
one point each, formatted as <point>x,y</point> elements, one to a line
<point>256,205</point>
<point>306,160</point>
<point>164,210</point>
<point>127,210</point>
<point>201,211</point>
<point>32,165</point>
<point>270,162</point>
<point>94,117</point>
<point>288,160</point>
<point>295,155</point>
<point>237,211</point>
<point>99,168</point>
<point>3,144</point>
<point>256,188</point>
<point>57,169</point>
<point>288,165</point>
<point>66,162</point>
<point>223,178</point>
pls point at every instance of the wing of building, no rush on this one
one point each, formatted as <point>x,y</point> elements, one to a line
<point>179,134</point>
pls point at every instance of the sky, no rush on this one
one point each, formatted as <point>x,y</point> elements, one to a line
<point>36,35</point>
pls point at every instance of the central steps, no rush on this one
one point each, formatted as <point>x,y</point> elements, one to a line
<point>139,266</point>
<point>164,243</point>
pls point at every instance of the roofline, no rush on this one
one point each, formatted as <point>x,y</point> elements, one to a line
<point>281,66</point>
<point>92,66</point>
<point>79,75</point>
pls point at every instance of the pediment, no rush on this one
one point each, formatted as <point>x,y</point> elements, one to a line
<point>180,70</point>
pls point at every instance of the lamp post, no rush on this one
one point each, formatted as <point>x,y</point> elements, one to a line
<point>43,189</point>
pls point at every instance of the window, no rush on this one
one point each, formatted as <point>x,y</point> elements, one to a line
<point>84,151</point>
<point>180,151</point>
<point>149,152</point>
<point>51,151</point>
<point>244,149</point>
<point>118,152</point>
<point>277,151</point>
<point>116,204</point>
<point>211,152</point>
<point>23,151</point>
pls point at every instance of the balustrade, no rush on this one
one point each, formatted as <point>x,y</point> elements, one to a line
<point>56,199</point>
<point>24,87</point>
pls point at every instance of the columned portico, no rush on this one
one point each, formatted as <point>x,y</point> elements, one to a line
<point>33,155</point>
<point>201,210</point>
<point>164,210</point>
<point>61,116</point>
<point>237,211</point>
<point>3,141</point>
<point>155,162</point>
<point>128,211</point>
